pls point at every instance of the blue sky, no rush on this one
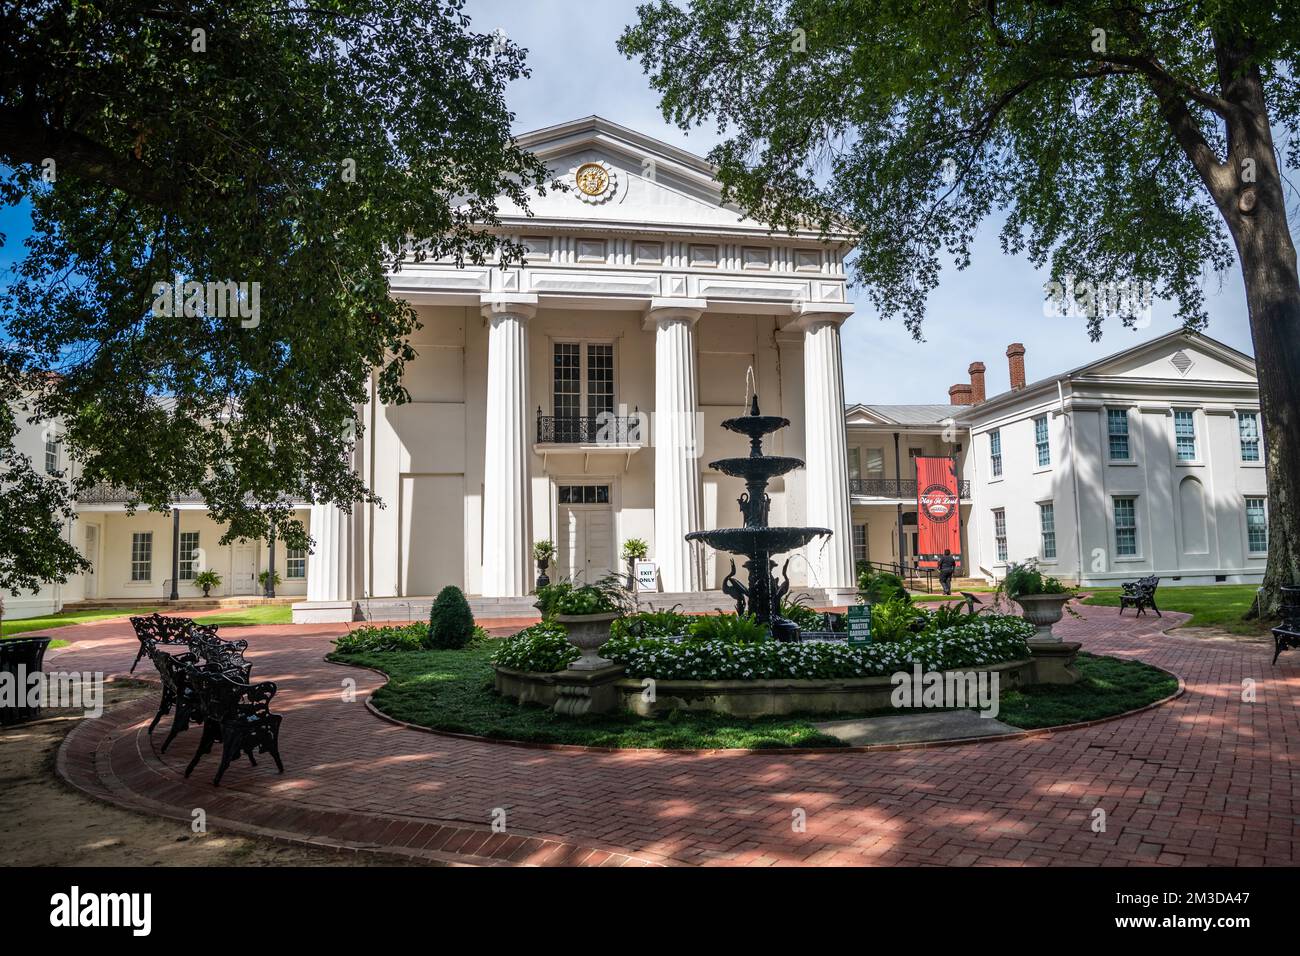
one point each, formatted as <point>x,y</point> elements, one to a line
<point>973,314</point>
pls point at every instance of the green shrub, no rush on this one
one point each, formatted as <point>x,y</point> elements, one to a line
<point>727,629</point>
<point>588,599</point>
<point>543,648</point>
<point>635,549</point>
<point>451,624</point>
<point>410,637</point>
<point>1026,578</point>
<point>651,624</point>
<point>881,586</point>
<point>896,620</point>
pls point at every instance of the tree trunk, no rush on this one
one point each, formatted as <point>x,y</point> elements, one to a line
<point>1256,216</point>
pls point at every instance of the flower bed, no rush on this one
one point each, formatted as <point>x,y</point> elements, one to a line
<point>980,641</point>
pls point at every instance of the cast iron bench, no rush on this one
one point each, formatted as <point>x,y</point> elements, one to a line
<point>236,713</point>
<point>1287,634</point>
<point>159,629</point>
<point>1140,594</point>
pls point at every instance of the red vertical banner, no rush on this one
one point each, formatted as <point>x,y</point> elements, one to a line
<point>938,512</point>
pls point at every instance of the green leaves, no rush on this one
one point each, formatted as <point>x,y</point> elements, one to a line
<point>302,154</point>
<point>913,123</point>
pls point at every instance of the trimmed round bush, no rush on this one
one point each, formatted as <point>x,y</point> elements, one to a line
<point>451,623</point>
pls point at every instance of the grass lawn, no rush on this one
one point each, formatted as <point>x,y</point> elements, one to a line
<point>1215,605</point>
<point>1109,686</point>
<point>452,691</point>
<point>63,619</point>
<point>249,616</point>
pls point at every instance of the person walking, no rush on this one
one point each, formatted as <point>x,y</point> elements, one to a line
<point>947,565</point>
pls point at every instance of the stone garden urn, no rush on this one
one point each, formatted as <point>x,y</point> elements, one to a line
<point>1043,610</point>
<point>588,633</point>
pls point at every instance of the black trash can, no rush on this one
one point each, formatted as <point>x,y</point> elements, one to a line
<point>20,657</point>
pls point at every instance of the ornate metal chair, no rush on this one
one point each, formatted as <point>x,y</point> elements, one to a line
<point>1287,634</point>
<point>1140,595</point>
<point>239,715</point>
<point>158,629</point>
<point>217,654</point>
<point>29,654</point>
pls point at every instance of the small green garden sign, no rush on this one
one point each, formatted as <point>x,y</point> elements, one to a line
<point>859,620</point>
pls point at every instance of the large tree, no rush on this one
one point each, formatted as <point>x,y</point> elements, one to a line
<point>1123,142</point>
<point>284,155</point>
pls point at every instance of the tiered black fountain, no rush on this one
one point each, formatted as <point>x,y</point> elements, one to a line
<point>756,541</point>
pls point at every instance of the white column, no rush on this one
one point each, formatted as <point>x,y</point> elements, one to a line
<point>330,566</point>
<point>827,476</point>
<point>676,442</point>
<point>507,511</point>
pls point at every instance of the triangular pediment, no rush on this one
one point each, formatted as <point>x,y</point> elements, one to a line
<point>1176,357</point>
<point>630,179</point>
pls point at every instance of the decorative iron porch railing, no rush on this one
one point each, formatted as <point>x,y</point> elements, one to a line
<point>112,495</point>
<point>603,429</point>
<point>895,488</point>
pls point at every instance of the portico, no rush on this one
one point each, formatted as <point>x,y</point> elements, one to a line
<point>575,396</point>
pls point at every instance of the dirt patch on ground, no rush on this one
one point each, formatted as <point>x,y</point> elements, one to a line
<point>1217,634</point>
<point>44,822</point>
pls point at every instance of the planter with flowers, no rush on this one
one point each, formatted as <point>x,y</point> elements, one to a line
<point>1043,601</point>
<point>586,613</point>
<point>543,551</point>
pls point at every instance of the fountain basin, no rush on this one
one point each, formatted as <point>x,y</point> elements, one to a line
<point>761,466</point>
<point>750,541</point>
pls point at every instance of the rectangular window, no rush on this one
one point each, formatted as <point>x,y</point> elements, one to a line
<point>855,463</point>
<point>1248,431</point>
<point>860,542</point>
<point>995,452</point>
<point>600,379</point>
<point>1041,446</point>
<point>875,462</point>
<point>295,564</point>
<point>1126,526</point>
<point>1257,525</point>
<point>1185,434</point>
<point>51,455</point>
<point>1117,430</point>
<point>1047,526</point>
<point>189,557</point>
<point>583,494</point>
<point>142,556</point>
<point>1000,533</point>
<point>567,381</point>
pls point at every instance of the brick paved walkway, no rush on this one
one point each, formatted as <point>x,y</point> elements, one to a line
<point>1205,779</point>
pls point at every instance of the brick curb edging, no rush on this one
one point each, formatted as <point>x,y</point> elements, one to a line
<point>84,762</point>
<point>752,751</point>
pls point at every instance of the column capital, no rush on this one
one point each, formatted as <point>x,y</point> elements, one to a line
<point>807,314</point>
<point>673,308</point>
<point>522,304</point>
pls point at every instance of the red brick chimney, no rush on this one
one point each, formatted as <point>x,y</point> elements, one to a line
<point>976,382</point>
<point>1016,364</point>
<point>960,395</point>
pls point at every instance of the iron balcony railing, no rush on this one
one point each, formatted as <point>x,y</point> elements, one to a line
<point>113,495</point>
<point>895,488</point>
<point>603,429</point>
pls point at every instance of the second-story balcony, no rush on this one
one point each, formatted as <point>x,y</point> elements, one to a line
<point>607,429</point>
<point>896,489</point>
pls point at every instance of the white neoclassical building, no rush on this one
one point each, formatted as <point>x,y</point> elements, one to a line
<point>577,397</point>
